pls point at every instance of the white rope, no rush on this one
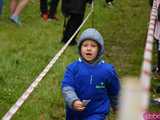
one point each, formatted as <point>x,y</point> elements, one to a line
<point>34,84</point>
<point>145,75</point>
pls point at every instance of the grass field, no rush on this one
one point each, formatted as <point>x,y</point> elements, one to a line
<point>26,50</point>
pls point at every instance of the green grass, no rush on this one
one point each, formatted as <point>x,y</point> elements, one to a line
<point>26,50</point>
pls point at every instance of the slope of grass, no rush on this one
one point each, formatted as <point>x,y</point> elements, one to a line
<point>26,50</point>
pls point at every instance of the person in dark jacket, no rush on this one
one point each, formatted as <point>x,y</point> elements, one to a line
<point>74,10</point>
<point>1,6</point>
<point>90,85</point>
<point>51,13</point>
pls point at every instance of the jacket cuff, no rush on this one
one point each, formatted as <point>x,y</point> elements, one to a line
<point>69,95</point>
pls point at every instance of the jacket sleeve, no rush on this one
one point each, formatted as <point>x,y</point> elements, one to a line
<point>68,87</point>
<point>113,89</point>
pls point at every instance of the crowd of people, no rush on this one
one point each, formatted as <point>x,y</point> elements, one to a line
<point>73,12</point>
<point>17,6</point>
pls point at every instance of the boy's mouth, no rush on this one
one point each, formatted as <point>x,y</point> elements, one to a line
<point>88,54</point>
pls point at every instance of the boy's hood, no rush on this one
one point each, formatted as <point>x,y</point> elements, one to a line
<point>92,34</point>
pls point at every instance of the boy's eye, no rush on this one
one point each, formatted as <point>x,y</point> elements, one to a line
<point>85,45</point>
<point>94,45</point>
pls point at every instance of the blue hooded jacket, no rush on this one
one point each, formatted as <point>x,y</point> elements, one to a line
<point>96,83</point>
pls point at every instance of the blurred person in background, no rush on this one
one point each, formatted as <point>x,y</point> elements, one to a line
<point>73,11</point>
<point>48,13</point>
<point>16,9</point>
<point>1,7</point>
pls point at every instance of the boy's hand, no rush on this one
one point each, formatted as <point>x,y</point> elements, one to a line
<point>78,105</point>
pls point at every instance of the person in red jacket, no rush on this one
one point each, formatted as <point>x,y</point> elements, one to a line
<point>48,14</point>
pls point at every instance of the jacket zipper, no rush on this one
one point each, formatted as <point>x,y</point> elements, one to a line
<point>91,79</point>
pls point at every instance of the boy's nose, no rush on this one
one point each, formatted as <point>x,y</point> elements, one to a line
<point>88,48</point>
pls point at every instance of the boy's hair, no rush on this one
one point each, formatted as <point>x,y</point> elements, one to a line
<point>92,34</point>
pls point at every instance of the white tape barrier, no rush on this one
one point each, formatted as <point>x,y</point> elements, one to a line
<point>135,94</point>
<point>145,75</point>
<point>130,100</point>
<point>34,84</point>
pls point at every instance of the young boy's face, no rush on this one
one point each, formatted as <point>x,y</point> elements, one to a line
<point>89,50</point>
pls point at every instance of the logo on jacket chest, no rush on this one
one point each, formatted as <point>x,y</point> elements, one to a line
<point>100,85</point>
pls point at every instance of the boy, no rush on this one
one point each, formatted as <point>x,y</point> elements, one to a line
<point>90,85</point>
